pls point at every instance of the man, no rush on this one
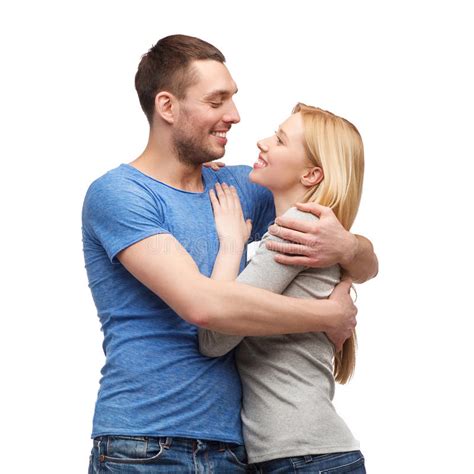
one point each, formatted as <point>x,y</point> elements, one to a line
<point>150,244</point>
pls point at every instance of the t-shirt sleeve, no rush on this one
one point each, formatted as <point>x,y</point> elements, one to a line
<point>264,272</point>
<point>118,212</point>
<point>215,344</point>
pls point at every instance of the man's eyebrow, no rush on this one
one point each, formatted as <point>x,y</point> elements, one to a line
<point>220,93</point>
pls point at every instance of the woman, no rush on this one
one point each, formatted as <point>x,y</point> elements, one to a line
<point>289,422</point>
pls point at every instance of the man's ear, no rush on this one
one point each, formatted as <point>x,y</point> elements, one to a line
<point>312,176</point>
<point>166,106</point>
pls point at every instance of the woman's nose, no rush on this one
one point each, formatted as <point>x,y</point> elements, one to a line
<point>261,146</point>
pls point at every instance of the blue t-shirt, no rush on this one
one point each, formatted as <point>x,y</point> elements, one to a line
<point>154,381</point>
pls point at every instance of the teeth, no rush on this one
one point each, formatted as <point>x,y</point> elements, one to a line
<point>219,134</point>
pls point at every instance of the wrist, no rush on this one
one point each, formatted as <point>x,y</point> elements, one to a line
<point>350,250</point>
<point>230,246</point>
<point>328,312</point>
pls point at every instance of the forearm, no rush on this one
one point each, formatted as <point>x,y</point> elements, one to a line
<point>234,308</point>
<point>360,263</point>
<point>227,264</point>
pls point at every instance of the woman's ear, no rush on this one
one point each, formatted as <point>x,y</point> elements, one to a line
<point>312,176</point>
<point>165,106</point>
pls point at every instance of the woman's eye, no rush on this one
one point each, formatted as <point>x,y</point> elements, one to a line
<point>278,139</point>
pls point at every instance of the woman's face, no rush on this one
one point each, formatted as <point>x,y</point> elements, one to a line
<point>282,159</point>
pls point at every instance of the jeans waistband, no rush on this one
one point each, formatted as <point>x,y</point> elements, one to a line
<point>168,441</point>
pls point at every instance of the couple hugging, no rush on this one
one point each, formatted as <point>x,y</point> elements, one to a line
<point>213,366</point>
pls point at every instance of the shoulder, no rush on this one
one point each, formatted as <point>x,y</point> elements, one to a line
<point>295,213</point>
<point>119,177</point>
<point>119,193</point>
<point>292,213</point>
<point>120,201</point>
<point>240,173</point>
<point>121,183</point>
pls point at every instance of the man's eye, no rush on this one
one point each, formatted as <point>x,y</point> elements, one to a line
<point>215,105</point>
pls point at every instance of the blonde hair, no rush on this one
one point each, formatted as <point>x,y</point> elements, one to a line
<point>334,144</point>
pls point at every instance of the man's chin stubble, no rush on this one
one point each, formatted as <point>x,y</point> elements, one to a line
<point>189,154</point>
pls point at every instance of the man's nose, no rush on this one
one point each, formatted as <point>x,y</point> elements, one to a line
<point>232,114</point>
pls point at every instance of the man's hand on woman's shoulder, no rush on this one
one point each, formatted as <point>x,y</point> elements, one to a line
<point>322,243</point>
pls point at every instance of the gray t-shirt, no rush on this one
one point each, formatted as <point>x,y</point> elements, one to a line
<point>288,383</point>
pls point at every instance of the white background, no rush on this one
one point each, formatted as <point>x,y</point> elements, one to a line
<point>401,71</point>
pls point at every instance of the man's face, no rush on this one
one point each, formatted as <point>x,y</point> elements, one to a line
<point>206,114</point>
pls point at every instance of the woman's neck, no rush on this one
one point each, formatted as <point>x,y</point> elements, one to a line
<point>285,199</point>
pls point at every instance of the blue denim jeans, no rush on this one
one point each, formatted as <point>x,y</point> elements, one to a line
<point>147,455</point>
<point>336,463</point>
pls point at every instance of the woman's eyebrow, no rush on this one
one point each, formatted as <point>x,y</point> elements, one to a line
<point>282,132</point>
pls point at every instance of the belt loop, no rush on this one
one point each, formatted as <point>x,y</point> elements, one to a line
<point>100,450</point>
<point>164,442</point>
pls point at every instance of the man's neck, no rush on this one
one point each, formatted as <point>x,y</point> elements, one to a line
<point>162,164</point>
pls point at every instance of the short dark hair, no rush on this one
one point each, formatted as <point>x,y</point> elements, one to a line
<point>166,67</point>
